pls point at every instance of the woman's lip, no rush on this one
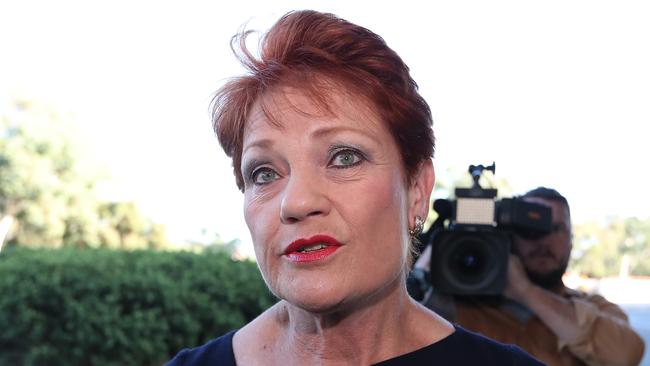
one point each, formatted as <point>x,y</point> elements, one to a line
<point>312,256</point>
<point>316,239</point>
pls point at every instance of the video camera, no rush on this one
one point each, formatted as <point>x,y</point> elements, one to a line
<point>470,253</point>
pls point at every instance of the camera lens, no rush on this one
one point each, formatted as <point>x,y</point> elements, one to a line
<point>470,263</point>
<point>469,260</point>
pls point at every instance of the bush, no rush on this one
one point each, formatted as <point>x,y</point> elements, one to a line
<point>101,307</point>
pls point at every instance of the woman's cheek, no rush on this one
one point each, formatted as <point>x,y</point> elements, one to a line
<point>262,221</point>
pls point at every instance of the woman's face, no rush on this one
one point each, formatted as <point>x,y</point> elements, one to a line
<point>326,201</point>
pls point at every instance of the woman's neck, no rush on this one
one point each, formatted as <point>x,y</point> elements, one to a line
<point>381,328</point>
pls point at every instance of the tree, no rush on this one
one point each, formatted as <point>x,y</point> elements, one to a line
<point>599,247</point>
<point>38,177</point>
<point>47,198</point>
<point>122,226</point>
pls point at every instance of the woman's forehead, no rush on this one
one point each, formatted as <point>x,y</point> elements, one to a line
<point>283,106</point>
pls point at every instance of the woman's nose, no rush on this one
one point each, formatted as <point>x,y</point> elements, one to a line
<point>303,197</point>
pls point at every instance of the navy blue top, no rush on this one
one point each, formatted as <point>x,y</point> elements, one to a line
<point>459,348</point>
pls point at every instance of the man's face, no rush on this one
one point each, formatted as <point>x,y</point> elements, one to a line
<point>546,259</point>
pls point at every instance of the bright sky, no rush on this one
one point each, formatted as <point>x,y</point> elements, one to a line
<point>556,92</point>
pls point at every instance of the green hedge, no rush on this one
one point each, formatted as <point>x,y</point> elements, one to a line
<point>101,307</point>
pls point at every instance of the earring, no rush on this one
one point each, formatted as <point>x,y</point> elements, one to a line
<point>419,226</point>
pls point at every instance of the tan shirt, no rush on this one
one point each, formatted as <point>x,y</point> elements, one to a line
<point>607,338</point>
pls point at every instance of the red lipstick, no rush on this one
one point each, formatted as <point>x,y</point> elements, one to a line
<point>312,249</point>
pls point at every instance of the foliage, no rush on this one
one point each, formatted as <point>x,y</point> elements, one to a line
<point>49,196</point>
<point>103,307</point>
<point>600,247</point>
<point>122,226</point>
<point>39,184</point>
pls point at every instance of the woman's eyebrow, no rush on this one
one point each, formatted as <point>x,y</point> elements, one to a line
<point>263,143</point>
<point>332,130</point>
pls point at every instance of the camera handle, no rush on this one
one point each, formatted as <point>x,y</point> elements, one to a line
<point>477,170</point>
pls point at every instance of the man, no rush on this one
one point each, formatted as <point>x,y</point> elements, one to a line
<point>558,325</point>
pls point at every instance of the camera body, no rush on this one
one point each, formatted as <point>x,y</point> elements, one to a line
<point>471,239</point>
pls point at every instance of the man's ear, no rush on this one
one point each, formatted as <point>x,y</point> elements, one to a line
<point>420,191</point>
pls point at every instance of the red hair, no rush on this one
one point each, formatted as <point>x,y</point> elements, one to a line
<point>306,47</point>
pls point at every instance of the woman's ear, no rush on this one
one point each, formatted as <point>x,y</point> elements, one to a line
<point>420,191</point>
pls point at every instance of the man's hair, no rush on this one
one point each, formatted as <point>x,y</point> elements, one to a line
<point>318,54</point>
<point>549,194</point>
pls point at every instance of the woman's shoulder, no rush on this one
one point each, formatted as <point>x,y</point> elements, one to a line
<point>487,350</point>
<point>464,347</point>
<point>221,351</point>
<point>217,351</point>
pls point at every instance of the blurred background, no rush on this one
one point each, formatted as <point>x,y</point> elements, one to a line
<point>106,147</point>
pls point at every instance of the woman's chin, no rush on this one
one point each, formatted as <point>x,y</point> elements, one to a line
<point>316,301</point>
<point>321,308</point>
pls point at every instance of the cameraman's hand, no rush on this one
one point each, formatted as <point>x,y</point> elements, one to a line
<point>519,286</point>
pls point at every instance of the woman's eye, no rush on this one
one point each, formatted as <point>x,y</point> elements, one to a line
<point>346,158</point>
<point>263,176</point>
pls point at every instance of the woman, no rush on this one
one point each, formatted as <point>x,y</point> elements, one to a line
<point>331,145</point>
